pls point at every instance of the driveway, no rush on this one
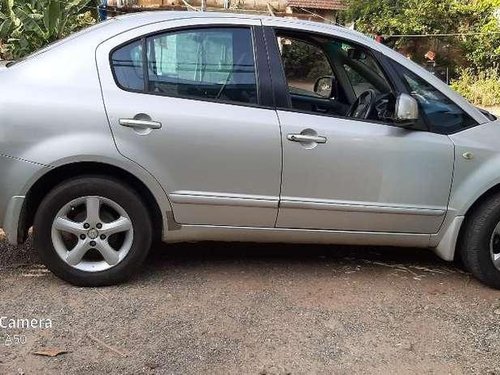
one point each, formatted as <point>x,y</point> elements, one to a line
<point>214,308</point>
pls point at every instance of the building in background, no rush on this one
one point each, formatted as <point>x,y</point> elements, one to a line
<point>326,9</point>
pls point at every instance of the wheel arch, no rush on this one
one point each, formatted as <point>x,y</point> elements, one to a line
<point>449,244</point>
<point>495,189</point>
<point>57,175</point>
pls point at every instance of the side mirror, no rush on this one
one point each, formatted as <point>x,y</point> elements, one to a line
<point>356,54</point>
<point>325,87</point>
<point>406,112</point>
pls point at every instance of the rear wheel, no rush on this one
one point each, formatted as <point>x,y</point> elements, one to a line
<point>480,247</point>
<point>92,231</point>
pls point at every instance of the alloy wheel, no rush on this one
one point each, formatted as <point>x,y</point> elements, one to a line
<point>92,233</point>
<point>495,247</point>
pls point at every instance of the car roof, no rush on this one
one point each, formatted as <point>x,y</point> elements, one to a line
<point>133,20</point>
<point>140,18</point>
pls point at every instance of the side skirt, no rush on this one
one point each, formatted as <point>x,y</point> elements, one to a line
<point>284,235</point>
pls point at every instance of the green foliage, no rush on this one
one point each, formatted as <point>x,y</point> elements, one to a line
<point>482,50</point>
<point>303,60</point>
<point>482,89</point>
<point>403,17</point>
<point>27,25</point>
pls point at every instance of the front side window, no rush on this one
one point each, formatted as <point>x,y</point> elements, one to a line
<point>361,68</point>
<point>438,111</point>
<point>304,63</point>
<point>214,64</point>
<point>333,77</point>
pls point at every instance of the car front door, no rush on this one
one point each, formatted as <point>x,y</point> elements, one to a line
<point>187,103</point>
<point>347,173</point>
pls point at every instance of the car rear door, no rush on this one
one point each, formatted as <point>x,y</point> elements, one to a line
<point>187,100</point>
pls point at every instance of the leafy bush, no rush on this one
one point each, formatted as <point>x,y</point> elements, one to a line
<point>482,89</point>
<point>477,20</point>
<point>303,61</point>
<point>27,25</point>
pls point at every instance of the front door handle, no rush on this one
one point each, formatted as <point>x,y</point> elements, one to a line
<point>140,124</point>
<point>306,138</point>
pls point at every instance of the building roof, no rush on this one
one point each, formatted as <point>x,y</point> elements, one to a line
<point>318,4</point>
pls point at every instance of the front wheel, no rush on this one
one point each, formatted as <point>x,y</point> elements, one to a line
<point>480,245</point>
<point>92,231</point>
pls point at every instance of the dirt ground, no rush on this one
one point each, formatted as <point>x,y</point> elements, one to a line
<point>214,308</point>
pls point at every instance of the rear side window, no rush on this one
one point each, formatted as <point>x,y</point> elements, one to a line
<point>212,64</point>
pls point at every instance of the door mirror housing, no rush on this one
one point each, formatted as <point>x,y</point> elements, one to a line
<point>326,87</point>
<point>406,111</point>
<point>356,54</point>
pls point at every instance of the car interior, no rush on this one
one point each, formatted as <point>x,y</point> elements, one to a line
<point>342,80</point>
<point>225,68</point>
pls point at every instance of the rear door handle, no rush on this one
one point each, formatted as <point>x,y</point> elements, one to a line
<point>306,138</point>
<point>140,124</point>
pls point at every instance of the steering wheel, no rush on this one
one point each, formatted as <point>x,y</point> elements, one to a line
<point>363,105</point>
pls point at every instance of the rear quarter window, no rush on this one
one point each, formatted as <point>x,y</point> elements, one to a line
<point>128,66</point>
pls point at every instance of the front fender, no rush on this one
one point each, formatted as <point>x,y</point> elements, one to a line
<point>476,171</point>
<point>477,165</point>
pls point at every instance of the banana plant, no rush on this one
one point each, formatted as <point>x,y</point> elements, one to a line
<point>8,19</point>
<point>50,20</point>
<point>26,25</point>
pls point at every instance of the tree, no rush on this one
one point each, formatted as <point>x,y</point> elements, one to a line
<point>481,17</point>
<point>27,25</point>
<point>403,17</point>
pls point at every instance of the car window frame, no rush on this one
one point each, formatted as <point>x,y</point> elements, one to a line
<point>265,99</point>
<point>280,83</point>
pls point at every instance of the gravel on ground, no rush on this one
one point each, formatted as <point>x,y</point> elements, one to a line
<point>218,308</point>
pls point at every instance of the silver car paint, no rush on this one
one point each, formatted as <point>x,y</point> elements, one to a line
<point>52,113</point>
<point>367,176</point>
<point>215,170</point>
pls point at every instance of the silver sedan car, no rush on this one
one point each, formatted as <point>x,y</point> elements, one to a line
<point>180,126</point>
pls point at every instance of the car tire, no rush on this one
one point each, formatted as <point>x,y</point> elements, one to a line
<point>480,242</point>
<point>111,254</point>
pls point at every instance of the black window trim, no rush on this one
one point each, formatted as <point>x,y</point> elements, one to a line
<point>265,100</point>
<point>279,82</point>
